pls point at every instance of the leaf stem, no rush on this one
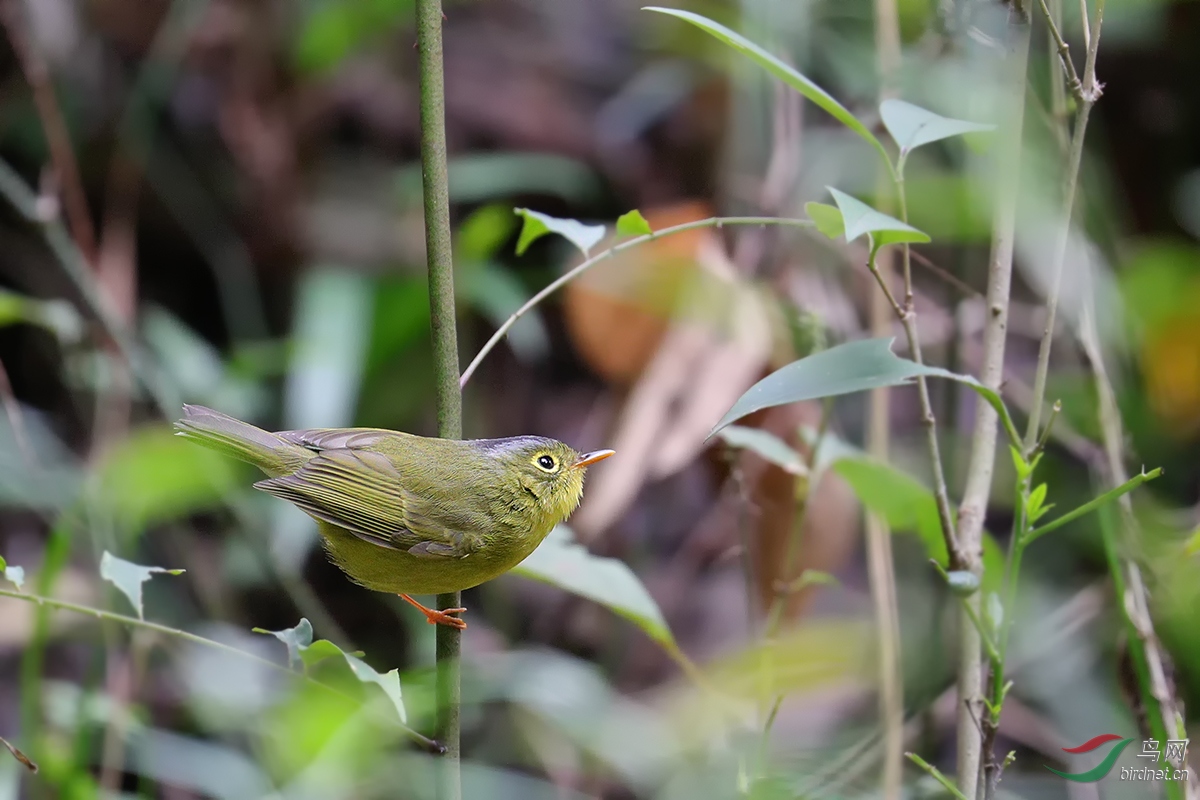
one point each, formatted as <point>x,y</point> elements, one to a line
<point>429,745</point>
<point>1087,508</point>
<point>937,775</point>
<point>554,286</point>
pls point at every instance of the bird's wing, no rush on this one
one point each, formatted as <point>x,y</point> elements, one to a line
<point>362,492</point>
<point>320,439</point>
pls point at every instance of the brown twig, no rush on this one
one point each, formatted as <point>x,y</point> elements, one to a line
<point>54,126</point>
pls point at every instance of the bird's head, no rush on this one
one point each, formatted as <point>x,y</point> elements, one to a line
<point>550,472</point>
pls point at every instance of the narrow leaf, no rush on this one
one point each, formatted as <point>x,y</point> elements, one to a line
<point>827,218</point>
<point>610,582</point>
<point>766,445</point>
<point>846,368</point>
<point>812,577</point>
<point>25,760</point>
<point>632,223</point>
<point>995,611</point>
<point>779,69</point>
<point>536,225</point>
<point>912,126</point>
<point>1036,498</point>
<point>1192,547</point>
<point>860,218</point>
<point>129,577</point>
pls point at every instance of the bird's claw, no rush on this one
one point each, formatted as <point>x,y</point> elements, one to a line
<point>443,617</point>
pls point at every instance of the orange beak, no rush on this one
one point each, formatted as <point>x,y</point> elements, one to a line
<point>587,459</point>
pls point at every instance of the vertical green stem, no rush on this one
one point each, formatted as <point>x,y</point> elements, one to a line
<point>445,345</point>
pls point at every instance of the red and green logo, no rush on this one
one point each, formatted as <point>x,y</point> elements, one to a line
<point>1104,767</point>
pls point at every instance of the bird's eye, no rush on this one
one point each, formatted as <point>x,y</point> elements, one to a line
<point>546,462</point>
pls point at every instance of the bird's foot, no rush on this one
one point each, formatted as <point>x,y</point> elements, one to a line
<point>435,617</point>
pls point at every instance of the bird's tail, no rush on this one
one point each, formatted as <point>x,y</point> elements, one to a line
<point>272,454</point>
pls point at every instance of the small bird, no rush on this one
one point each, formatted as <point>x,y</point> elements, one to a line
<point>408,514</point>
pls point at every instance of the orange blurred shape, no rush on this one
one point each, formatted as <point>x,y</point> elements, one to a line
<point>1171,364</point>
<point>618,311</point>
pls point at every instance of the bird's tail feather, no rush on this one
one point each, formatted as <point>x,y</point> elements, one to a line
<point>272,454</point>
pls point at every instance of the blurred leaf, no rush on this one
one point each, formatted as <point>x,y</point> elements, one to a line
<point>632,223</point>
<point>846,368</point>
<point>302,649</point>
<point>497,293</point>
<point>196,367</point>
<point>906,504</point>
<point>1192,547</point>
<point>828,219</point>
<point>401,319</point>
<point>860,218</point>
<point>59,317</point>
<point>331,331</point>
<point>912,126</point>
<point>337,28</point>
<point>196,765</point>
<point>783,71</point>
<point>152,476</point>
<point>536,225</point>
<point>963,582</point>
<point>13,574</point>
<point>812,577</point>
<point>481,235</point>
<point>483,177</point>
<point>765,444</point>
<point>560,562</point>
<point>129,577</point>
<point>995,611</point>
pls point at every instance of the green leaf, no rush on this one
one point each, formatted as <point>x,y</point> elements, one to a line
<point>632,223</point>
<point>129,577</point>
<point>912,126</point>
<point>481,235</point>
<point>846,368</point>
<point>58,317</point>
<point>295,639</point>
<point>303,650</point>
<point>1033,508</point>
<point>812,577</point>
<point>781,70</point>
<point>560,562</point>
<point>1192,547</point>
<point>827,218</point>
<point>860,218</point>
<point>906,504</point>
<point>995,611</point>
<point>766,445</point>
<point>1024,470</point>
<point>537,225</point>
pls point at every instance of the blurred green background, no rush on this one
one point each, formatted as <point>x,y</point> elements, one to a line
<point>248,171</point>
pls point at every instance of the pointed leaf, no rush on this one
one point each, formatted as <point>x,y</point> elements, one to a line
<point>912,126</point>
<point>303,650</point>
<point>632,223</point>
<point>296,639</point>
<point>779,69</point>
<point>129,577</point>
<point>846,368</point>
<point>536,225</point>
<point>1036,498</point>
<point>1192,547</point>
<point>562,563</point>
<point>860,218</point>
<point>827,218</point>
<point>767,445</point>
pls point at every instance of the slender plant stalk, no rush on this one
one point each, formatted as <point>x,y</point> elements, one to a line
<point>880,563</point>
<point>1163,708</point>
<point>445,349</point>
<point>554,286</point>
<point>983,441</point>
<point>1086,96</point>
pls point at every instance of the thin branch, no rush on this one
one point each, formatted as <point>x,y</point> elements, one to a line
<point>945,275</point>
<point>428,744</point>
<point>1087,508</point>
<point>937,775</point>
<point>554,286</point>
<point>983,440</point>
<point>1064,54</point>
<point>58,139</point>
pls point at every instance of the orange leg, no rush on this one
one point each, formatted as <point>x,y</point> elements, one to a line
<point>435,617</point>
